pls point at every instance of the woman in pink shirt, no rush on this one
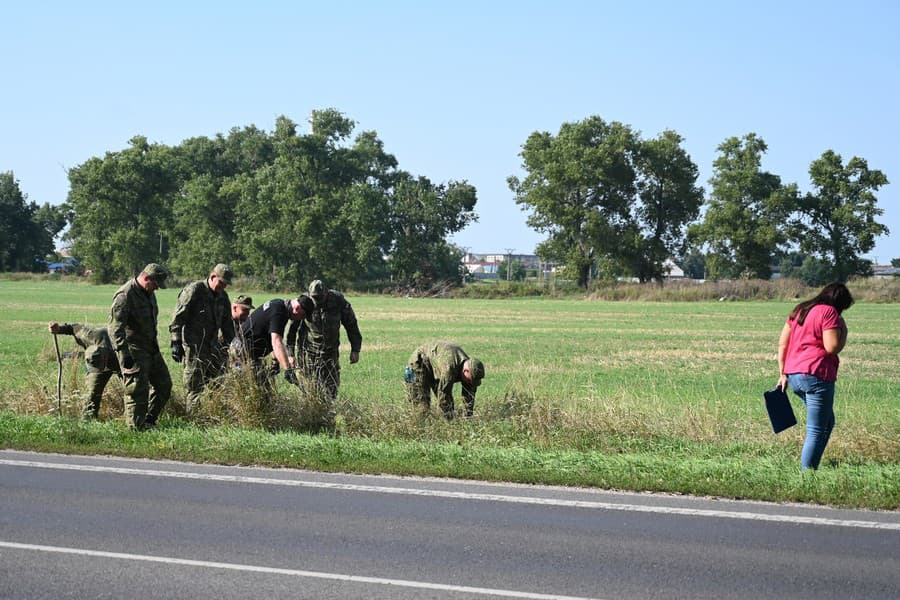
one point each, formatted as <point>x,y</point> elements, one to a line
<point>808,350</point>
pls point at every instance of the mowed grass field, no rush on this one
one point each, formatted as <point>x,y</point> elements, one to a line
<point>636,395</point>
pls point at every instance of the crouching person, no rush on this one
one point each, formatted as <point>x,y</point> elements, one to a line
<point>100,362</point>
<point>435,368</point>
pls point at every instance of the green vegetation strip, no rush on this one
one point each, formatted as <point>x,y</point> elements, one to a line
<point>638,395</point>
<point>700,473</point>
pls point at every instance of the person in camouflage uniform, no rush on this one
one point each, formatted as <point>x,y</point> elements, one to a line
<point>233,354</point>
<point>132,329</point>
<point>202,313</point>
<point>100,362</point>
<point>434,368</point>
<point>315,342</point>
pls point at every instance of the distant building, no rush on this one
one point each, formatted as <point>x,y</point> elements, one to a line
<point>885,271</point>
<point>486,266</point>
<point>671,270</point>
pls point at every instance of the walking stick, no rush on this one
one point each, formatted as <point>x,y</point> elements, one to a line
<point>58,376</point>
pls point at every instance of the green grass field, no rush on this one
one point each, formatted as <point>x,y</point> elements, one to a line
<point>636,395</point>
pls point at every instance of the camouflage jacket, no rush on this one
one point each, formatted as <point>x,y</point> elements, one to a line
<point>99,355</point>
<point>444,361</point>
<point>320,331</point>
<point>200,315</point>
<point>132,321</point>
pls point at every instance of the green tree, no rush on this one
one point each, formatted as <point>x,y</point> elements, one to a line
<point>742,226</point>
<point>836,221</point>
<point>895,262</point>
<point>579,187</point>
<point>204,213</point>
<point>122,207</point>
<point>693,263</point>
<point>512,270</point>
<point>319,210</point>
<point>423,215</point>
<point>26,230</point>
<point>668,200</point>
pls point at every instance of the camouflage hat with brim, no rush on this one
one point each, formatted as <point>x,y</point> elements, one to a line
<point>245,301</point>
<point>317,290</point>
<point>157,273</point>
<point>476,371</point>
<point>223,272</point>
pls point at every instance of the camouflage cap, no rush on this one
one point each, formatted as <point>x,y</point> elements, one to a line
<point>476,371</point>
<point>157,273</point>
<point>245,301</point>
<point>317,290</point>
<point>223,272</point>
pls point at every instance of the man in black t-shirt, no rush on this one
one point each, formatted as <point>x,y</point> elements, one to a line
<point>263,333</point>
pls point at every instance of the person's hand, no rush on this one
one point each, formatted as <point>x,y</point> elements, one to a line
<point>291,376</point>
<point>354,358</point>
<point>782,383</point>
<point>128,366</point>
<point>177,351</point>
<point>53,327</point>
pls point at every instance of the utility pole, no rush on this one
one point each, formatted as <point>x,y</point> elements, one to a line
<point>509,252</point>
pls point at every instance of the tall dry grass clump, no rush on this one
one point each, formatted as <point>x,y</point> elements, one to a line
<point>239,398</point>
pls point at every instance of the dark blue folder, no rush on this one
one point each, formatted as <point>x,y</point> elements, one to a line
<point>779,408</point>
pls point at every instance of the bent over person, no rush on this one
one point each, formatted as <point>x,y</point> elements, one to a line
<point>812,337</point>
<point>132,329</point>
<point>435,368</point>
<point>100,362</point>
<point>316,341</point>
<point>263,334</point>
<point>203,313</point>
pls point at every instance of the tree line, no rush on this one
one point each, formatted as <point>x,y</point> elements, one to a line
<point>284,208</point>
<point>612,203</point>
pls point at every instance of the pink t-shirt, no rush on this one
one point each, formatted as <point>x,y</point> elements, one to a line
<point>806,352</point>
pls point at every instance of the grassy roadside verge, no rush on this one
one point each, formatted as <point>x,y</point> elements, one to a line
<point>637,395</point>
<point>691,468</point>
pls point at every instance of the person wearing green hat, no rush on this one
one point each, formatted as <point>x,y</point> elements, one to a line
<point>315,342</point>
<point>434,369</point>
<point>132,326</point>
<point>202,315</point>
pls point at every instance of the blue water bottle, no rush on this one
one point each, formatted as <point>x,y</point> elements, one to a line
<point>408,375</point>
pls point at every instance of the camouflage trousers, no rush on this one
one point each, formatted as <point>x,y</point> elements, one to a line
<point>421,384</point>
<point>147,389</point>
<point>94,383</point>
<point>201,365</point>
<point>325,370</point>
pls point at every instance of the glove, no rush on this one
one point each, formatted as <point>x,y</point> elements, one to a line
<point>177,351</point>
<point>291,376</point>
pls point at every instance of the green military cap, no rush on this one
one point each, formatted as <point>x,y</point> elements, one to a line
<point>245,301</point>
<point>317,290</point>
<point>157,273</point>
<point>223,272</point>
<point>476,371</point>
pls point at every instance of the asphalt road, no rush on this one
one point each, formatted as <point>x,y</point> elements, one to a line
<point>95,527</point>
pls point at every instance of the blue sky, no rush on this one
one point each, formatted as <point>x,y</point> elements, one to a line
<point>455,88</point>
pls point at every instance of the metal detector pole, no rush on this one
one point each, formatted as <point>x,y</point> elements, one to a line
<point>58,376</point>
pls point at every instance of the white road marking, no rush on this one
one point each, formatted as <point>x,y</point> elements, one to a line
<point>667,510</point>
<point>292,572</point>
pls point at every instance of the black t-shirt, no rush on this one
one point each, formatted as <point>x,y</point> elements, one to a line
<point>271,317</point>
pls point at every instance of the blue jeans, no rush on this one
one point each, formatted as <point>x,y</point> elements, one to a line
<point>818,396</point>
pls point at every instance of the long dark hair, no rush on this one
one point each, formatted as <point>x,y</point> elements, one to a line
<point>833,294</point>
